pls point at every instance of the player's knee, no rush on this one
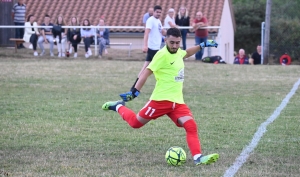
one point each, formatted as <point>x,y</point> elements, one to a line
<point>190,126</point>
<point>135,123</point>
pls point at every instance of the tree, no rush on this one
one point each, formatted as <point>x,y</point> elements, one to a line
<point>248,14</point>
<point>284,26</point>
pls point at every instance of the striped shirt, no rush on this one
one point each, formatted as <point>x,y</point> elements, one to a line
<point>19,12</point>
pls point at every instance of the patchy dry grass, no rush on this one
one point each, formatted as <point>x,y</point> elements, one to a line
<point>52,124</point>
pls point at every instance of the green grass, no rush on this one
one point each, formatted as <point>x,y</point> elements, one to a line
<point>52,123</point>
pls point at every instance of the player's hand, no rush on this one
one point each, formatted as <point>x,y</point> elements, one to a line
<point>209,43</point>
<point>128,96</point>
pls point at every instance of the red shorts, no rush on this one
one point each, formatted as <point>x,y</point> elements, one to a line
<point>155,109</point>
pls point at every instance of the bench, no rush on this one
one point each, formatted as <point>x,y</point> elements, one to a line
<point>113,44</point>
<point>17,42</point>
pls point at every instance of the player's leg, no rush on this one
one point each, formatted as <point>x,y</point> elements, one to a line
<point>127,114</point>
<point>152,110</point>
<point>183,117</point>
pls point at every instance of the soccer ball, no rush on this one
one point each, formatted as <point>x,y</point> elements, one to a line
<point>175,156</point>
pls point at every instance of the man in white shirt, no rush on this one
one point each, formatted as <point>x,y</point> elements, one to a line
<point>152,37</point>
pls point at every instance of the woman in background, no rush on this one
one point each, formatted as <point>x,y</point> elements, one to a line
<point>73,35</point>
<point>183,20</point>
<point>31,34</point>
<point>170,19</point>
<point>87,34</point>
<point>61,38</point>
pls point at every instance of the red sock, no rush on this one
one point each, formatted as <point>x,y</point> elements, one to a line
<point>192,138</point>
<point>130,117</point>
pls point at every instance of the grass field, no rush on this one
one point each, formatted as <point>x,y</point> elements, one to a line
<point>52,123</point>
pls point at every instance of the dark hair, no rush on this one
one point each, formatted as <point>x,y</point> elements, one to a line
<point>89,24</point>
<point>47,15</point>
<point>157,8</point>
<point>173,32</point>
<point>29,16</point>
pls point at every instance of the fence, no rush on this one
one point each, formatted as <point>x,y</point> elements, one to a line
<point>135,40</point>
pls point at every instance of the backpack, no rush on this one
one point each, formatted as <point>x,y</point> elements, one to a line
<point>213,59</point>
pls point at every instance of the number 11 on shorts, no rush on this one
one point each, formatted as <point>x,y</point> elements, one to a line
<point>151,111</point>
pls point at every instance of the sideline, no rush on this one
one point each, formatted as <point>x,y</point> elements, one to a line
<point>241,159</point>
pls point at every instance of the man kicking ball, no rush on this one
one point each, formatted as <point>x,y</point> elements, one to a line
<point>167,97</point>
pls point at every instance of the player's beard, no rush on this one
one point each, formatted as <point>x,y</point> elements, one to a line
<point>172,50</point>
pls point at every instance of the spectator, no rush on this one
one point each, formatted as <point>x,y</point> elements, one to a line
<point>170,19</point>
<point>60,38</point>
<point>73,35</point>
<point>18,15</point>
<point>87,34</point>
<point>31,34</point>
<point>46,36</point>
<point>183,19</point>
<point>147,15</point>
<point>200,34</point>
<point>152,37</point>
<point>256,56</point>
<point>103,37</point>
<point>241,58</point>
<point>169,22</point>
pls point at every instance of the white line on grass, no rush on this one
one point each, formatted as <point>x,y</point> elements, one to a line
<point>240,160</point>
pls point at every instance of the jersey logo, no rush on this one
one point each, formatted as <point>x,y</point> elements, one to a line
<point>180,76</point>
<point>172,62</point>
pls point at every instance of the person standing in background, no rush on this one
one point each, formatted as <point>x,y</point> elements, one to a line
<point>183,20</point>
<point>18,15</point>
<point>241,58</point>
<point>169,21</point>
<point>147,15</point>
<point>200,34</point>
<point>256,56</point>
<point>152,38</point>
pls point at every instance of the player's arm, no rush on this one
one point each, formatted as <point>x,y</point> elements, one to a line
<point>134,92</point>
<point>143,78</point>
<point>191,51</point>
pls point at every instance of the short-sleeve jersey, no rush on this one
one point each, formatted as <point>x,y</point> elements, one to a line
<point>155,36</point>
<point>168,70</point>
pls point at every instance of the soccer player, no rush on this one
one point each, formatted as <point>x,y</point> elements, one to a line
<point>167,97</point>
<point>152,37</point>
